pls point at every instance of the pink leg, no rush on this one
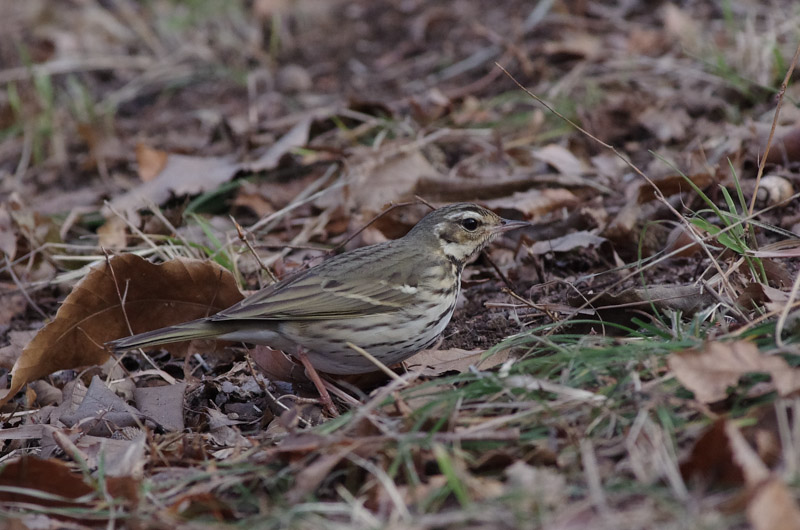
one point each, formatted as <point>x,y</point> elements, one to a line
<point>317,380</point>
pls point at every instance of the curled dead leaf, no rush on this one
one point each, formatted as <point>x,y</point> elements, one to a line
<point>93,314</point>
<point>711,371</point>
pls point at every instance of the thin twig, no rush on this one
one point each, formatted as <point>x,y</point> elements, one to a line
<point>778,106</point>
<point>243,238</point>
<point>21,288</point>
<point>371,358</point>
<point>354,234</point>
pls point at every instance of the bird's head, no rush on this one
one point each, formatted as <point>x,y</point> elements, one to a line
<point>462,230</point>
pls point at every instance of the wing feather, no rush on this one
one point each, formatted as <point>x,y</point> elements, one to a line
<point>330,291</point>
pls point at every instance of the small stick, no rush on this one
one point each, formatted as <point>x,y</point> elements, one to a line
<point>243,238</point>
<point>371,358</point>
<point>387,210</point>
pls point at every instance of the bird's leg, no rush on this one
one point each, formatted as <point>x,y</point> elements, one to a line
<point>318,382</point>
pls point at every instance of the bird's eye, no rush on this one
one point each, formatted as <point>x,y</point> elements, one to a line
<point>470,223</point>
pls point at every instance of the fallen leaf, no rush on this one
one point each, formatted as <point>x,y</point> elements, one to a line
<point>277,365</point>
<point>17,341</point>
<point>182,175</point>
<point>189,175</point>
<point>711,371</point>
<point>393,179</point>
<point>666,124</point>
<point>723,456</point>
<point>773,507</point>
<point>711,458</point>
<point>567,243</point>
<point>560,158</point>
<point>92,314</point>
<point>150,161</point>
<point>120,457</point>
<point>163,404</point>
<point>200,505</point>
<point>297,136</point>
<point>109,411</point>
<point>688,299</point>
<point>113,235</point>
<point>437,362</point>
<point>54,477</point>
<point>756,294</point>
<point>535,203</point>
<point>311,475</point>
<point>48,476</point>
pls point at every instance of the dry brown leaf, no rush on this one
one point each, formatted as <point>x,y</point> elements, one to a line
<point>666,124</point>
<point>182,175</point>
<point>54,477</point>
<point>312,475</point>
<point>381,177</point>
<point>709,372</point>
<point>689,299</point>
<point>150,161</point>
<point>722,455</point>
<point>773,507</point>
<point>164,404</point>
<point>277,365</point>
<point>51,476</point>
<point>437,362</point>
<point>113,234</point>
<point>535,203</point>
<point>108,411</point>
<point>759,294</point>
<point>155,296</point>
<point>711,458</point>
<point>561,159</point>
<point>120,457</point>
<point>567,243</point>
<point>188,175</point>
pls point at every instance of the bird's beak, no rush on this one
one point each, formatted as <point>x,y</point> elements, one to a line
<point>507,225</point>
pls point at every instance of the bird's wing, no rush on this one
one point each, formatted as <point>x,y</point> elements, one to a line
<point>327,292</point>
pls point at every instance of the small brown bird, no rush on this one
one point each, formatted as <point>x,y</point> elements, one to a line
<point>392,299</point>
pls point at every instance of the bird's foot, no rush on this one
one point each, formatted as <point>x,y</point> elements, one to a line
<point>312,373</point>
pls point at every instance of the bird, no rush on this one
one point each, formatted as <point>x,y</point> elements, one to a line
<point>391,299</point>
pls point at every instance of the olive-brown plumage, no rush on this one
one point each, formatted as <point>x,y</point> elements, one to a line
<point>392,299</point>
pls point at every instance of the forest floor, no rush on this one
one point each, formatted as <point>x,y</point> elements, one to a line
<point>629,360</point>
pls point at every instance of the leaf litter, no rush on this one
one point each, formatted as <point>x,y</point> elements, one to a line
<point>558,424</point>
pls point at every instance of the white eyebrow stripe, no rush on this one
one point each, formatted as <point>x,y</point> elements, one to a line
<point>465,215</point>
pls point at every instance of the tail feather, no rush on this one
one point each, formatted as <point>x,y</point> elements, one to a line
<point>196,329</point>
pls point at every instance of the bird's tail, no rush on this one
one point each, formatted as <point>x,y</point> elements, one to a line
<point>196,329</point>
